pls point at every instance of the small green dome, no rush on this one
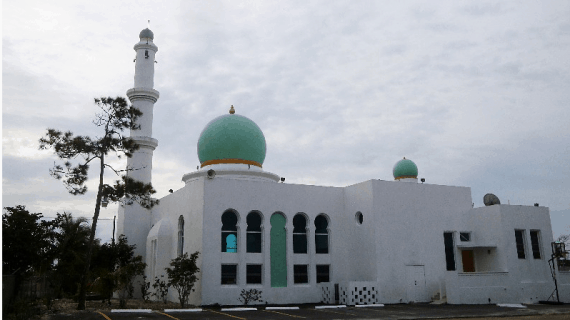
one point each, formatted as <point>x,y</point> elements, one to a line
<point>146,33</point>
<point>231,138</point>
<point>405,168</point>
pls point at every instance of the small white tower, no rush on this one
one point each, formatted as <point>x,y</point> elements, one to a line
<point>134,221</point>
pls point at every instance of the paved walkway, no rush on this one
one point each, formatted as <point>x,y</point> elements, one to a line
<point>398,311</point>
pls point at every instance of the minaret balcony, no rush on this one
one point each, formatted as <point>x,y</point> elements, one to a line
<point>143,94</point>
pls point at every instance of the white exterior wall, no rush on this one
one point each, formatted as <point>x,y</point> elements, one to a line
<point>531,277</point>
<point>399,248</point>
<point>362,247</point>
<point>410,221</point>
<point>187,202</point>
<point>500,276</point>
<point>268,198</point>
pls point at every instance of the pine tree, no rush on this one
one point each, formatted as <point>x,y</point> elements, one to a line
<point>78,152</point>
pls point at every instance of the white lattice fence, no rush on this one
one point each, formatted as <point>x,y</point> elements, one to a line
<point>327,293</point>
<point>353,293</point>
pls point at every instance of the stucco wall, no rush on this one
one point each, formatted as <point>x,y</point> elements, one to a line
<point>268,198</point>
<point>361,239</point>
<point>187,202</point>
<point>502,277</point>
<point>410,219</point>
<point>399,245</point>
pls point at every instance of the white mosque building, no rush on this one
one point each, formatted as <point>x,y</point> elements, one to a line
<point>372,242</point>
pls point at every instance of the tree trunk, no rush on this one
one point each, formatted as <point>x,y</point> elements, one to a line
<point>85,275</point>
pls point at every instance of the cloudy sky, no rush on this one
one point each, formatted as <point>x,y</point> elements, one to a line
<point>476,93</point>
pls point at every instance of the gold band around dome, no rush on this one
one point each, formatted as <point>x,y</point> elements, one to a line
<point>405,177</point>
<point>240,161</point>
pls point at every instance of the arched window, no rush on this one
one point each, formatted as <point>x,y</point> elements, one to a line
<point>321,234</point>
<point>299,233</point>
<point>180,236</point>
<point>253,232</point>
<point>229,231</point>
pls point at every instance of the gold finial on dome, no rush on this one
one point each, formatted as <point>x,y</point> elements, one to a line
<point>232,110</point>
<point>404,158</point>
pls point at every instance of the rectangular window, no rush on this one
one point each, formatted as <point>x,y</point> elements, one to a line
<point>519,237</point>
<point>465,236</point>
<point>449,251</point>
<point>321,243</point>
<point>323,273</point>
<point>299,243</point>
<point>229,273</point>
<point>300,273</point>
<point>253,274</point>
<point>535,243</point>
<point>254,241</point>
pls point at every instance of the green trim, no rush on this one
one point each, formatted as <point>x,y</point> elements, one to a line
<point>278,251</point>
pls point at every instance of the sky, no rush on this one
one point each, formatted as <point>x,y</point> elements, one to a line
<point>476,93</point>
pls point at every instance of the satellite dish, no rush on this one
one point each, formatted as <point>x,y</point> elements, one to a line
<point>490,199</point>
<point>211,174</point>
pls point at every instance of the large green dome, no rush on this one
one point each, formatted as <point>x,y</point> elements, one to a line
<point>231,138</point>
<point>405,168</point>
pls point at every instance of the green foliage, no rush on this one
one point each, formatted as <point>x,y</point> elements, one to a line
<point>145,289</point>
<point>27,242</point>
<point>251,295</point>
<point>125,276</point>
<point>77,153</point>
<point>160,289</point>
<point>182,276</point>
<point>115,268</point>
<point>71,243</point>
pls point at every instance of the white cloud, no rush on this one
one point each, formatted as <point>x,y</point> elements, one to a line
<point>476,93</point>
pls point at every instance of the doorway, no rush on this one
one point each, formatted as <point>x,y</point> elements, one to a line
<point>468,260</point>
<point>416,284</point>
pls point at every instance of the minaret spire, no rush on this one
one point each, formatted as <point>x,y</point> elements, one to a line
<point>134,221</point>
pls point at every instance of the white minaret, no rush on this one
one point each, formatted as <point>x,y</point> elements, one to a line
<point>134,221</point>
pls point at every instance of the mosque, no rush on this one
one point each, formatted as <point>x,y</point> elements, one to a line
<point>372,242</point>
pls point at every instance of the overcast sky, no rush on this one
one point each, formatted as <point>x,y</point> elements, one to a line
<point>476,93</point>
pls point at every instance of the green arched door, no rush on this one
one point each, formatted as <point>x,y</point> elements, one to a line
<point>278,252</point>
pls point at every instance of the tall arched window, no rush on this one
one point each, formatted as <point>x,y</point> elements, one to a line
<point>321,234</point>
<point>229,231</point>
<point>180,236</point>
<point>253,232</point>
<point>299,233</point>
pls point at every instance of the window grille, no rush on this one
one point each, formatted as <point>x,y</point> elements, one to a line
<point>229,274</point>
<point>321,235</point>
<point>254,274</point>
<point>299,234</point>
<point>229,231</point>
<point>300,273</point>
<point>253,232</point>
